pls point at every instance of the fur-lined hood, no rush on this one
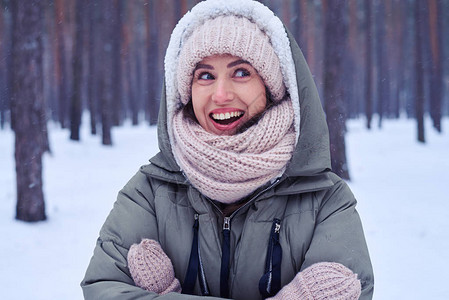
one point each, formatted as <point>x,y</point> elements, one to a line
<point>311,132</point>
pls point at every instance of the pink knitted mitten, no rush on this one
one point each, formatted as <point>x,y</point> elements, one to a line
<point>151,269</point>
<point>322,281</point>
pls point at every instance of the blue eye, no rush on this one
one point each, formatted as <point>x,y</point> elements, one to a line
<point>206,76</point>
<point>242,73</point>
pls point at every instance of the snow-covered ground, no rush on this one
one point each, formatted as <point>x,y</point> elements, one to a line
<point>402,188</point>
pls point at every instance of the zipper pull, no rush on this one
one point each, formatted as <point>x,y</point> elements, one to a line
<point>277,228</point>
<point>196,222</point>
<point>227,223</point>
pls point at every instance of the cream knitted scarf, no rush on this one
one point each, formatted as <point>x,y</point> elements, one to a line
<point>228,168</point>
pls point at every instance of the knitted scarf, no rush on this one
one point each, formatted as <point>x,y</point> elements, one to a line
<point>228,168</point>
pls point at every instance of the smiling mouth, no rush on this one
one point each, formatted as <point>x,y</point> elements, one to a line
<point>226,118</point>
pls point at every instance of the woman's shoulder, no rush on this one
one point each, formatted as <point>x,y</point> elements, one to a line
<point>149,178</point>
<point>324,189</point>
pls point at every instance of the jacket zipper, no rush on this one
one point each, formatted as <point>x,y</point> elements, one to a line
<point>275,257</point>
<point>270,283</point>
<point>225,257</point>
<point>226,245</point>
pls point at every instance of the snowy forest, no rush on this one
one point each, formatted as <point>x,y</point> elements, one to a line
<point>80,84</point>
<point>60,58</point>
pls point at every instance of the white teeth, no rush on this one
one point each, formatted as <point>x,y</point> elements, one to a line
<point>225,116</point>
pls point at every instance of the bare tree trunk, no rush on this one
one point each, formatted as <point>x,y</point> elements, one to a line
<point>132,100</point>
<point>335,42</point>
<point>116,23</point>
<point>138,85</point>
<point>296,22</point>
<point>76,98</point>
<point>419,72</point>
<point>304,16</point>
<point>445,42</point>
<point>353,62</point>
<point>396,41</point>
<point>105,73</point>
<point>383,79</point>
<point>92,77</point>
<point>7,46</point>
<point>4,105</point>
<point>61,64</point>
<point>410,59</point>
<point>368,64</point>
<point>154,82</point>
<point>436,74</point>
<point>28,108</point>
<point>402,72</point>
<point>51,66</point>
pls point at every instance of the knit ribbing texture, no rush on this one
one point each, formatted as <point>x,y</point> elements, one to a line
<point>322,281</point>
<point>226,168</point>
<point>151,269</point>
<point>236,36</point>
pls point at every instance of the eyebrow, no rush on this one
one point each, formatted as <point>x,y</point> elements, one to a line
<point>203,66</point>
<point>230,65</point>
<point>238,62</point>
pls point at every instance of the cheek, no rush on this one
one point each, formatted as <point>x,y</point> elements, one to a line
<point>258,102</point>
<point>197,111</point>
<point>198,105</point>
<point>262,104</point>
<point>256,96</point>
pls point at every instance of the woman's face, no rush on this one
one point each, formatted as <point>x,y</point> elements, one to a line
<point>226,92</point>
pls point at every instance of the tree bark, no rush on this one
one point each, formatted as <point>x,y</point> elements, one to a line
<point>105,72</point>
<point>92,77</point>
<point>61,75</point>
<point>76,98</point>
<point>436,74</point>
<point>154,82</point>
<point>368,65</point>
<point>419,73</point>
<point>3,69</point>
<point>116,40</point>
<point>132,100</point>
<point>383,80</point>
<point>28,108</point>
<point>335,42</point>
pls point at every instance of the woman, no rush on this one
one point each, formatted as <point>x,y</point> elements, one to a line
<point>244,161</point>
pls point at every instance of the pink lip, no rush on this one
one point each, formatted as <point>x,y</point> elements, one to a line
<point>224,110</point>
<point>227,127</point>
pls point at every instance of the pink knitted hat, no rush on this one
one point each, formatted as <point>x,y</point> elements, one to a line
<point>151,269</point>
<point>233,35</point>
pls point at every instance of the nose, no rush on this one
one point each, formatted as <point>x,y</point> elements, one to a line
<point>223,92</point>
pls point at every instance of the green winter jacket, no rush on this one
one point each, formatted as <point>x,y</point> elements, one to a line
<point>316,210</point>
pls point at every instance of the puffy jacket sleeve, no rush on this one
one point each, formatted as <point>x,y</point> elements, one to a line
<point>339,236</point>
<point>131,219</point>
